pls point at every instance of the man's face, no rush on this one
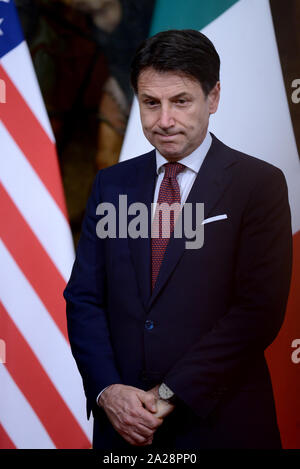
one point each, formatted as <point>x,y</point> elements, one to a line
<point>174,111</point>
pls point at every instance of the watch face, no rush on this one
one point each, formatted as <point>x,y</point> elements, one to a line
<point>165,392</point>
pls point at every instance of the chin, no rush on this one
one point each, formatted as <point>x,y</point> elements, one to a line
<point>169,153</point>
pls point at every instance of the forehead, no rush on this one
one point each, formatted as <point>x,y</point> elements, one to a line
<point>154,83</point>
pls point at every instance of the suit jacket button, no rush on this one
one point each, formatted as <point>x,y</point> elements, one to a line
<point>218,393</point>
<point>149,324</point>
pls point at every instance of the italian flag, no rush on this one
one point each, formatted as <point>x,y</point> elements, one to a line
<point>253,117</point>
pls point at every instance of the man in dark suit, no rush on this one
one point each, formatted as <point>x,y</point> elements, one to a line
<point>170,340</point>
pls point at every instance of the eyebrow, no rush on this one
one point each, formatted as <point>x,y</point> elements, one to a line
<point>177,96</point>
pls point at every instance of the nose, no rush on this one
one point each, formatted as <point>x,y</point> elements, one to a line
<point>166,118</point>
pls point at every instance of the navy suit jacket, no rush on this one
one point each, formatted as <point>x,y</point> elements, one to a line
<point>214,310</point>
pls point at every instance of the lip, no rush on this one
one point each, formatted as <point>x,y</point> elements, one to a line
<point>168,136</point>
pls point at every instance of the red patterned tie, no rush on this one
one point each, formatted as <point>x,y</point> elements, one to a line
<point>169,193</point>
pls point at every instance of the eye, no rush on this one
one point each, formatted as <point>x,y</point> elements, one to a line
<point>151,103</point>
<point>182,101</point>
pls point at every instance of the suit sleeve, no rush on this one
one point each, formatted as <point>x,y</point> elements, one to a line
<point>260,291</point>
<point>85,296</point>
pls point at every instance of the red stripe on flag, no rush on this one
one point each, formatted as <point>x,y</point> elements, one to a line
<point>33,260</point>
<point>284,366</point>
<point>39,390</point>
<point>32,139</point>
<point>5,441</point>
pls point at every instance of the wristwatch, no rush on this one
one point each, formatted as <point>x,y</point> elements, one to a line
<point>166,394</point>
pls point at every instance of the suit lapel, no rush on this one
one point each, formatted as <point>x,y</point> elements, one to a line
<point>143,192</point>
<point>213,178</point>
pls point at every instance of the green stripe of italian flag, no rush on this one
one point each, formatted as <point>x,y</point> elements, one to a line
<point>253,117</point>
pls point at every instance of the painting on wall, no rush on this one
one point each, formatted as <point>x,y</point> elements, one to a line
<point>81,51</point>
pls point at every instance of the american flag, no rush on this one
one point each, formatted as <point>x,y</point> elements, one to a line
<point>41,399</point>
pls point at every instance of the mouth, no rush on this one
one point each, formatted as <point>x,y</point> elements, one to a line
<point>167,136</point>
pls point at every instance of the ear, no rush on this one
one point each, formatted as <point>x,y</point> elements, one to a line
<point>214,98</point>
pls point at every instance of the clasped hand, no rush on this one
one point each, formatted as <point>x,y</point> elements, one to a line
<point>135,414</point>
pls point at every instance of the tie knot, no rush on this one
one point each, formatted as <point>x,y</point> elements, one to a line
<point>172,169</point>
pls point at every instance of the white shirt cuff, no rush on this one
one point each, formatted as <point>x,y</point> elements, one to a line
<point>97,399</point>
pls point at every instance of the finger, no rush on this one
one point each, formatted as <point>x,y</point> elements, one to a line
<point>138,439</point>
<point>150,402</point>
<point>134,440</point>
<point>148,419</point>
<point>129,440</point>
<point>148,442</point>
<point>133,426</point>
<point>163,409</point>
<point>146,432</point>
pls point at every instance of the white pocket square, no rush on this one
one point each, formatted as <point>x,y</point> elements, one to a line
<point>216,218</point>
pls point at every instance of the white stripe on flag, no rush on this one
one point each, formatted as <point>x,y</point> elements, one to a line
<point>47,342</point>
<point>18,418</point>
<point>36,204</point>
<point>19,59</point>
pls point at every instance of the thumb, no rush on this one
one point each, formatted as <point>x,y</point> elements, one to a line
<point>149,400</point>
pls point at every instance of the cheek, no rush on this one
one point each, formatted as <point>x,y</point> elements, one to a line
<point>192,119</point>
<point>200,119</point>
<point>148,121</point>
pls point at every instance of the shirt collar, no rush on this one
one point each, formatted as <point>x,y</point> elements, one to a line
<point>193,161</point>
